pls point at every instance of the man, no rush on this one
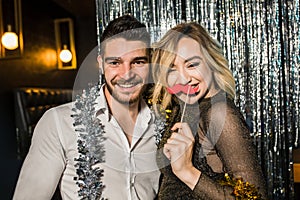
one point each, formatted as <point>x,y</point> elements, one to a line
<point>129,167</point>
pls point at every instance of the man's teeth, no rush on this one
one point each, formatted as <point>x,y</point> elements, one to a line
<point>126,85</point>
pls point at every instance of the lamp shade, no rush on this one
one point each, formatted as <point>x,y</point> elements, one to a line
<point>10,40</point>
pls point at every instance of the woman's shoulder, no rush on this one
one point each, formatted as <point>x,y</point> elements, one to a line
<point>219,101</point>
<point>219,107</point>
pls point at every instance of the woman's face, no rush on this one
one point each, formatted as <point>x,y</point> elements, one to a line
<point>190,74</point>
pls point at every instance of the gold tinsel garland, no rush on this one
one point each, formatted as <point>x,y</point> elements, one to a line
<point>241,190</point>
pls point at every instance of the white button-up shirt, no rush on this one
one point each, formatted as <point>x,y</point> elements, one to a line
<point>130,171</point>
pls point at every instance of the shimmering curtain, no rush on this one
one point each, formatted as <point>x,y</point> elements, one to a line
<point>261,40</point>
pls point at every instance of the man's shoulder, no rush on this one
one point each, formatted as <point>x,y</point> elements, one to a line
<point>62,109</point>
<point>64,106</point>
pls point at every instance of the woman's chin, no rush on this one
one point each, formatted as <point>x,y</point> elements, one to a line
<point>191,98</point>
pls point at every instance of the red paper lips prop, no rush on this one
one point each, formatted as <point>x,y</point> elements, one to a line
<point>187,89</point>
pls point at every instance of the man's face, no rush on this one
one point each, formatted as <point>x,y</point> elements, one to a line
<point>126,69</point>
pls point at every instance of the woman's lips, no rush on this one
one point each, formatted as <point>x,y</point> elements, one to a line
<point>187,89</point>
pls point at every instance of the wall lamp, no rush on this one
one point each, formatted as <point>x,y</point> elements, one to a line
<point>10,39</point>
<point>11,32</point>
<point>65,45</point>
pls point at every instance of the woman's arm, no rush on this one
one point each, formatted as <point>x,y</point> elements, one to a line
<point>228,133</point>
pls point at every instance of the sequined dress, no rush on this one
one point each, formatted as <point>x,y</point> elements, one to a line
<point>222,145</point>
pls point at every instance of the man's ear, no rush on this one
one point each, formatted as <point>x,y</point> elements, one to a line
<point>100,63</point>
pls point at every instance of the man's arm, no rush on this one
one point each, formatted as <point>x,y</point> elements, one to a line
<point>44,164</point>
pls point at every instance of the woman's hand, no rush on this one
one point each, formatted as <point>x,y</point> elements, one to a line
<point>179,150</point>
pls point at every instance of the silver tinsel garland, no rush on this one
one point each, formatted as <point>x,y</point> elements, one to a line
<point>261,40</point>
<point>91,135</point>
<point>89,144</point>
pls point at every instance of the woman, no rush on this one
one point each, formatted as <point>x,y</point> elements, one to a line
<point>206,137</point>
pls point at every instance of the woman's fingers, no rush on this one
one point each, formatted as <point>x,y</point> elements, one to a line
<point>184,129</point>
<point>177,145</point>
<point>167,152</point>
<point>180,142</point>
<point>173,151</point>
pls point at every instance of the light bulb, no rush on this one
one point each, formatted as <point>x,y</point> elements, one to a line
<point>65,55</point>
<point>10,39</point>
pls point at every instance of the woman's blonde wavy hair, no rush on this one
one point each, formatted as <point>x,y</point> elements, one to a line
<point>164,53</point>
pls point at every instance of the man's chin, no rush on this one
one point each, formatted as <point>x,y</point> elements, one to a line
<point>126,100</point>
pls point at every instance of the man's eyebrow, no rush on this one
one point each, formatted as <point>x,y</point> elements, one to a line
<point>112,58</point>
<point>192,58</point>
<point>141,58</point>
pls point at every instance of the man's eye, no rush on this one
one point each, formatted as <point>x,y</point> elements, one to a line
<point>139,63</point>
<point>113,63</point>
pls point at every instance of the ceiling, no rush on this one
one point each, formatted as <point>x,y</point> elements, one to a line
<point>82,8</point>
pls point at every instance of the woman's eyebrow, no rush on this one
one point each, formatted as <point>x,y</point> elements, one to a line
<point>192,58</point>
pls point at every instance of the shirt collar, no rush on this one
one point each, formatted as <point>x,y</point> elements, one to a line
<point>145,112</point>
<point>101,104</point>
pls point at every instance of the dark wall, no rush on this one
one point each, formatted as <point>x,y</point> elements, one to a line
<point>37,68</point>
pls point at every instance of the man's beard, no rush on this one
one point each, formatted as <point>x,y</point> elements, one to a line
<point>121,100</point>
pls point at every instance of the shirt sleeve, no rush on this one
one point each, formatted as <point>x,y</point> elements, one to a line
<point>229,136</point>
<point>45,161</point>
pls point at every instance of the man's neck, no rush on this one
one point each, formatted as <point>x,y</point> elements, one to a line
<point>125,114</point>
<point>124,111</point>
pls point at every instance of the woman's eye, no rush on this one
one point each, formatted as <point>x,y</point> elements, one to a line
<point>171,70</point>
<point>195,64</point>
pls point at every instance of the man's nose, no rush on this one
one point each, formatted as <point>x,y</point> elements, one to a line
<point>126,70</point>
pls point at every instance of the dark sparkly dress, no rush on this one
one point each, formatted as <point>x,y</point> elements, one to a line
<point>222,145</point>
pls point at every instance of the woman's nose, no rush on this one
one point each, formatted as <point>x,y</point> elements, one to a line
<point>184,77</point>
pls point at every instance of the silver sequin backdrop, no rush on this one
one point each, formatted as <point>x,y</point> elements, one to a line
<point>261,40</point>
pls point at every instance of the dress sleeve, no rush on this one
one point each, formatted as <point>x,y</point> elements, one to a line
<point>44,163</point>
<point>229,136</point>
